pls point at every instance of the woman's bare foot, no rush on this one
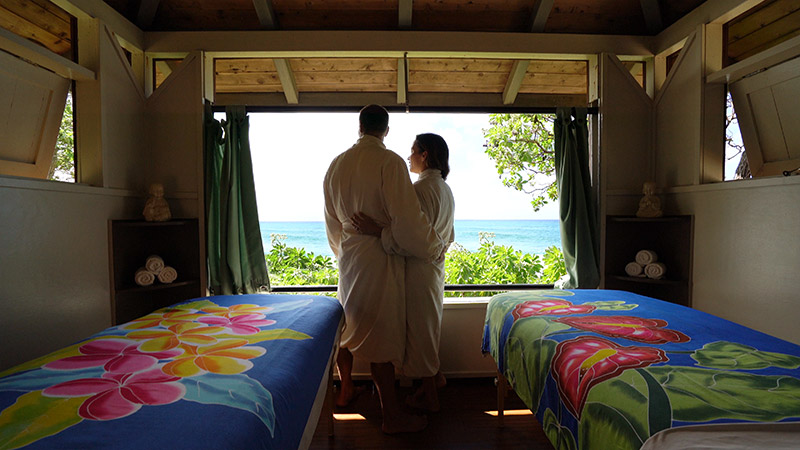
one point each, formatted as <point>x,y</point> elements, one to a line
<point>347,393</point>
<point>441,381</point>
<point>403,423</point>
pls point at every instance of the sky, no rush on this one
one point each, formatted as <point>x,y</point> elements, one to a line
<point>292,151</point>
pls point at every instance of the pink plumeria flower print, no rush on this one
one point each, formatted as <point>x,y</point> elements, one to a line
<point>115,355</point>
<point>117,395</point>
<point>242,325</point>
<point>583,362</point>
<point>549,307</point>
<point>637,329</point>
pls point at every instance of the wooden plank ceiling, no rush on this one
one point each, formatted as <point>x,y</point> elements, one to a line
<point>39,21</point>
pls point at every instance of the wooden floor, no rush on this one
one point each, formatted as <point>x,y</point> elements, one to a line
<point>462,423</point>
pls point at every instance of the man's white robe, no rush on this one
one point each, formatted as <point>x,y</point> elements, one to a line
<point>369,178</point>
<point>425,278</point>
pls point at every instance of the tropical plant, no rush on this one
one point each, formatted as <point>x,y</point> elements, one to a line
<point>63,165</point>
<point>521,146</point>
<point>490,264</point>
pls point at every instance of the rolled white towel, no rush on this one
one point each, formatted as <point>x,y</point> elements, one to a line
<point>645,257</point>
<point>634,269</point>
<point>167,275</point>
<point>154,264</point>
<point>655,271</point>
<point>144,277</point>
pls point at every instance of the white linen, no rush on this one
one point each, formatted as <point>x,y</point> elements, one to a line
<point>167,275</point>
<point>154,264</point>
<point>645,257</point>
<point>369,178</point>
<point>655,271</point>
<point>727,436</point>
<point>634,269</point>
<point>144,277</point>
<point>425,279</point>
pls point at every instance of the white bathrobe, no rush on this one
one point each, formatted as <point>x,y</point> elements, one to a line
<point>369,178</point>
<point>425,278</point>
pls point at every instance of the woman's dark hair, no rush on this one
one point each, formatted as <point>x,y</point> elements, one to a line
<point>438,153</point>
<point>373,119</point>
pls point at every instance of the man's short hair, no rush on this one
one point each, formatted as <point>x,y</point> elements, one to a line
<point>374,119</point>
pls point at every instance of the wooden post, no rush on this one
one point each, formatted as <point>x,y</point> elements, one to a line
<point>502,390</point>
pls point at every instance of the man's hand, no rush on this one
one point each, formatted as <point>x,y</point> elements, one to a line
<point>364,224</point>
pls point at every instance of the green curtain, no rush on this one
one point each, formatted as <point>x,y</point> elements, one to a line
<point>236,263</point>
<point>576,204</point>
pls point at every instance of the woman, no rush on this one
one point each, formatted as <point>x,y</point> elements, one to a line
<point>424,280</point>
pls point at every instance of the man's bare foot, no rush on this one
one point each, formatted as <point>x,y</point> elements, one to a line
<point>404,423</point>
<point>421,401</point>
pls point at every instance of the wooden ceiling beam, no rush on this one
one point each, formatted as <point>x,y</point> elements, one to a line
<point>515,81</point>
<point>392,44</point>
<point>404,12</point>
<point>266,14</point>
<point>146,13</point>
<point>539,15</point>
<point>288,82</point>
<point>652,16</point>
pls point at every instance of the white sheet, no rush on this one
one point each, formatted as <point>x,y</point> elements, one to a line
<point>728,436</point>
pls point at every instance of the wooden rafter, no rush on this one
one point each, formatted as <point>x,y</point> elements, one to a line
<point>652,16</point>
<point>266,14</point>
<point>146,13</point>
<point>515,81</point>
<point>288,82</point>
<point>404,10</point>
<point>541,10</point>
<point>402,81</point>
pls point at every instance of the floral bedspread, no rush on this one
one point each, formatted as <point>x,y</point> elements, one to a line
<point>217,372</point>
<point>608,369</point>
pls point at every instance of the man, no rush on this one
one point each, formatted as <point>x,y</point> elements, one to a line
<point>370,179</point>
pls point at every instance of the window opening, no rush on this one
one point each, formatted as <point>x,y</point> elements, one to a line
<point>63,165</point>
<point>500,238</point>
<point>637,71</point>
<point>736,165</point>
<point>162,68</point>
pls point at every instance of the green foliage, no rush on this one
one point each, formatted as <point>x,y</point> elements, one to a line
<point>490,264</point>
<point>63,165</point>
<point>521,146</point>
<point>294,266</point>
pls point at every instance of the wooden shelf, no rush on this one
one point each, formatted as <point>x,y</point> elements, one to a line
<point>670,237</point>
<point>130,243</point>
<point>156,287</point>
<point>646,280</point>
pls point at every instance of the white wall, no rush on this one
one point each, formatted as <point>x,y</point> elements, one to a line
<point>54,283</point>
<point>747,252</point>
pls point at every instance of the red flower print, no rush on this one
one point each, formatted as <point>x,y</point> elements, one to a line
<point>585,361</point>
<point>116,395</point>
<point>636,329</point>
<point>115,355</point>
<point>549,307</point>
<point>244,324</point>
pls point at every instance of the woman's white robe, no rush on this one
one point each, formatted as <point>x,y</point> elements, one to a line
<point>369,178</point>
<point>425,278</point>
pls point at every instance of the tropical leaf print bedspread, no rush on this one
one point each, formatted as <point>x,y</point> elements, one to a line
<point>217,372</point>
<point>608,369</point>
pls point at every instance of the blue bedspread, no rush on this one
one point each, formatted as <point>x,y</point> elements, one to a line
<point>608,369</point>
<point>219,372</point>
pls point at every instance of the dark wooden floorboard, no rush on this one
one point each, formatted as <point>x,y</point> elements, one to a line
<point>461,424</point>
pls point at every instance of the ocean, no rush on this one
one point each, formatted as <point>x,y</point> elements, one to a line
<point>530,236</point>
